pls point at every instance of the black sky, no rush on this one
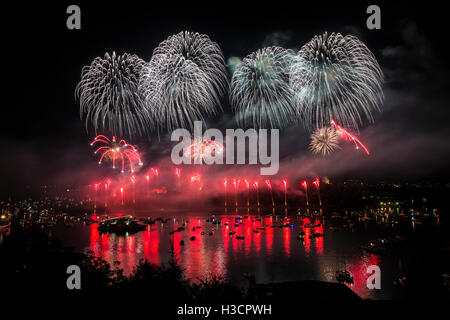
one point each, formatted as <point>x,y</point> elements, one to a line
<point>43,137</point>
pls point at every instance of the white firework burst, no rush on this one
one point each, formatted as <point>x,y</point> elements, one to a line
<point>202,148</point>
<point>336,77</point>
<point>109,96</point>
<point>324,141</point>
<point>260,92</point>
<point>184,80</point>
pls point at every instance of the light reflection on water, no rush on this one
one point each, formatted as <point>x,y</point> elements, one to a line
<point>273,254</point>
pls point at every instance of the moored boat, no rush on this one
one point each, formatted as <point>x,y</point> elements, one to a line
<point>121,225</point>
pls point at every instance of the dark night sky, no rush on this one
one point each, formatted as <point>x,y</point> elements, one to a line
<point>43,137</point>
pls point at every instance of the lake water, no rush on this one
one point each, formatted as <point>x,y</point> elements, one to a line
<point>272,255</point>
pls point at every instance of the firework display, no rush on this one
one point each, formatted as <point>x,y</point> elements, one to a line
<point>324,141</point>
<point>184,80</point>
<point>200,149</point>
<point>269,185</point>
<point>260,93</point>
<point>247,185</point>
<point>285,191</point>
<point>139,188</point>
<point>196,178</point>
<point>331,77</point>
<point>236,187</point>
<point>217,160</point>
<point>225,185</point>
<point>122,152</point>
<point>316,183</point>
<point>349,137</point>
<point>304,185</point>
<point>336,77</point>
<point>109,97</point>
<point>256,186</point>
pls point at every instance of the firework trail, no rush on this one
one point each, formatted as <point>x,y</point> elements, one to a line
<point>285,192</point>
<point>316,183</point>
<point>96,185</point>
<point>178,175</point>
<point>256,186</point>
<point>260,92</point>
<point>107,185</point>
<point>336,77</point>
<point>121,195</point>
<point>109,96</point>
<point>155,171</point>
<point>247,185</point>
<point>115,151</point>
<point>269,185</point>
<point>324,141</point>
<point>349,137</point>
<point>225,185</point>
<point>236,187</point>
<point>184,80</point>
<point>304,185</point>
<point>133,181</point>
<point>200,149</point>
<point>147,179</point>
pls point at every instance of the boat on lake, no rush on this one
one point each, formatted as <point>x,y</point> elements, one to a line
<point>121,225</point>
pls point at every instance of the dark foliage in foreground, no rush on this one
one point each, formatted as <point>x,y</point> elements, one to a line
<point>32,261</point>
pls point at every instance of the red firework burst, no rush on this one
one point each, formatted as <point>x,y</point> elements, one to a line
<point>349,137</point>
<point>124,153</point>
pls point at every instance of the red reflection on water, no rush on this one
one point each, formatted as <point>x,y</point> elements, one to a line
<point>104,245</point>
<point>130,244</point>
<point>99,243</point>
<point>146,244</point>
<point>176,241</point>
<point>319,240</point>
<point>216,257</point>
<point>307,237</point>
<point>226,233</point>
<point>130,251</point>
<point>95,236</point>
<point>287,240</point>
<point>234,241</point>
<point>248,232</point>
<point>257,240</point>
<point>150,240</point>
<point>193,254</point>
<point>269,234</point>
